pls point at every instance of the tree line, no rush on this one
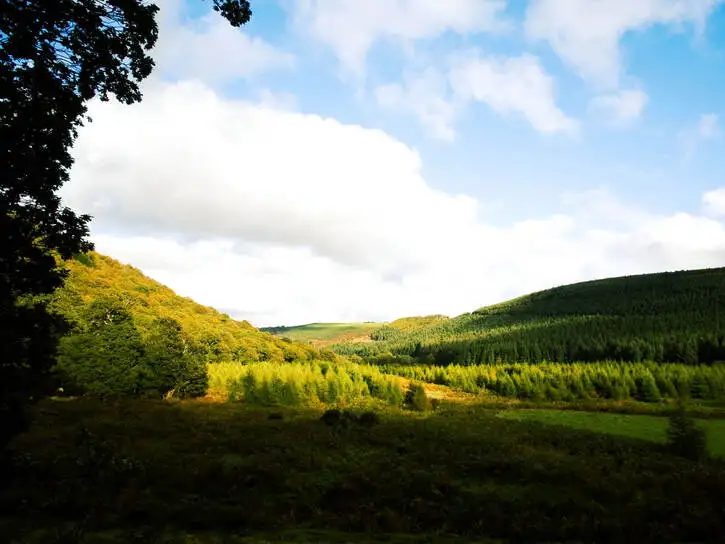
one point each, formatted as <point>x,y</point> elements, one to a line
<point>647,382</point>
<point>670,317</point>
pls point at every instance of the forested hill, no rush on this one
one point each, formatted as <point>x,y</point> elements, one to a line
<point>674,316</point>
<point>98,279</point>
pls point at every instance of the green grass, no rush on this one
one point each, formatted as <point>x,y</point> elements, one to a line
<point>651,428</point>
<point>326,333</point>
<point>134,470</point>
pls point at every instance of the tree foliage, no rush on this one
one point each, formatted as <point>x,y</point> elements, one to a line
<point>674,317</point>
<point>647,382</point>
<point>685,438</point>
<point>106,354</point>
<point>54,57</point>
<point>213,335</point>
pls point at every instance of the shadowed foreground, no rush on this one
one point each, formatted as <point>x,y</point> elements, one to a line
<point>153,472</point>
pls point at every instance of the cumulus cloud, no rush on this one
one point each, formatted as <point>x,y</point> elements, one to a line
<point>279,217</point>
<point>210,49</point>
<point>351,27</point>
<point>511,85</point>
<point>620,108</point>
<point>426,96</point>
<point>586,34</point>
<point>187,162</point>
<point>714,202</point>
<point>514,85</point>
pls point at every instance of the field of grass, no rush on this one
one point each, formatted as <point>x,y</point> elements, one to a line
<point>154,471</point>
<point>646,427</point>
<point>321,334</point>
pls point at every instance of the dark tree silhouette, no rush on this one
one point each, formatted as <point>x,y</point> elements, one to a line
<point>55,55</point>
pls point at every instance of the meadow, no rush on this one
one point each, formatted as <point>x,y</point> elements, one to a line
<point>322,334</point>
<point>175,423</point>
<point>646,427</point>
<point>198,471</point>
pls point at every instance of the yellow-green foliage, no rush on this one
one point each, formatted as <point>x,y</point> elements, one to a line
<point>94,277</point>
<point>410,323</point>
<point>648,382</point>
<point>309,383</point>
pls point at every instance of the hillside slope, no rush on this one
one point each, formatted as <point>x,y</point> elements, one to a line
<point>96,277</point>
<point>322,334</point>
<point>675,316</point>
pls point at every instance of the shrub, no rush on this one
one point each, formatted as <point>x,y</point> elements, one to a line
<point>332,417</point>
<point>417,399</point>
<point>369,419</point>
<point>685,438</point>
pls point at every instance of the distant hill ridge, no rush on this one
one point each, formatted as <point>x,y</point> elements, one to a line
<point>324,334</point>
<point>669,316</point>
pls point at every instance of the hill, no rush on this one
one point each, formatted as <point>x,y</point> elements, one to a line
<point>94,277</point>
<point>673,316</point>
<point>323,334</point>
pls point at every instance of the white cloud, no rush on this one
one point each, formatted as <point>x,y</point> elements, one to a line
<point>706,129</point>
<point>277,100</point>
<point>210,49</point>
<point>507,85</point>
<point>714,202</point>
<point>280,217</point>
<point>586,33</point>
<point>185,161</point>
<point>351,27</point>
<point>511,85</point>
<point>425,96</point>
<point>620,108</point>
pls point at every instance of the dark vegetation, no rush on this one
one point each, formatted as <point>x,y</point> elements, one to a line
<point>667,317</point>
<point>149,468</point>
<point>685,438</point>
<point>54,57</point>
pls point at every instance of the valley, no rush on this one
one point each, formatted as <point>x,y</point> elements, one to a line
<point>173,422</point>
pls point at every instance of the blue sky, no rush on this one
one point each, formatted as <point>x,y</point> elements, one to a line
<point>340,160</point>
<point>680,67</point>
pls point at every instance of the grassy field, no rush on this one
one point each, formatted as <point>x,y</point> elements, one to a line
<point>651,428</point>
<point>193,471</point>
<point>321,334</point>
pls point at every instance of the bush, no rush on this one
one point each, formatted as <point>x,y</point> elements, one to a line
<point>685,438</point>
<point>331,417</point>
<point>368,419</point>
<point>417,399</point>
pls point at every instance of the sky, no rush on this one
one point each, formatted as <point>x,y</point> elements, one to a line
<point>341,160</point>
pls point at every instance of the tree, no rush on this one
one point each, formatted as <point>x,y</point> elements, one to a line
<point>685,438</point>
<point>105,357</point>
<point>54,57</point>
<point>171,365</point>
